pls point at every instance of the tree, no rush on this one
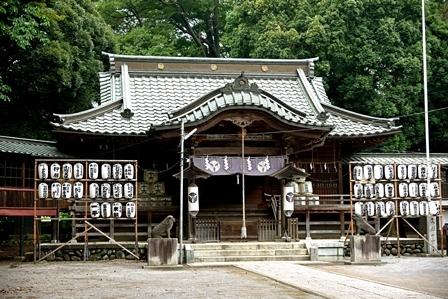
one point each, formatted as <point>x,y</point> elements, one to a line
<point>53,54</point>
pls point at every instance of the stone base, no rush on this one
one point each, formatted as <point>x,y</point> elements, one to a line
<point>365,249</point>
<point>162,252</point>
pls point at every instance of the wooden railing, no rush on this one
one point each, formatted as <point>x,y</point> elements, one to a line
<point>207,230</point>
<point>267,229</point>
<point>16,197</point>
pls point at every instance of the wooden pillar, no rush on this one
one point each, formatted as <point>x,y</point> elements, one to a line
<point>307,224</point>
<point>112,229</point>
<point>342,223</point>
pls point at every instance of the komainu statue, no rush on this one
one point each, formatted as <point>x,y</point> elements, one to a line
<point>163,228</point>
<point>362,227</point>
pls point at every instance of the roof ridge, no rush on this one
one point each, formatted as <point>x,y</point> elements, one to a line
<point>359,116</point>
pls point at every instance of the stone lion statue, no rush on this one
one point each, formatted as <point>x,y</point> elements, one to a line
<point>163,228</point>
<point>362,227</point>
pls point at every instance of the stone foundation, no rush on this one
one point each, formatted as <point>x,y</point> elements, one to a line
<point>390,248</point>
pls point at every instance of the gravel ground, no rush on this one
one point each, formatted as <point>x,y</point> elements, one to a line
<point>128,279</point>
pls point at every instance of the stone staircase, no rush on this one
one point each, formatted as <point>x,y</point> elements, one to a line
<point>248,251</point>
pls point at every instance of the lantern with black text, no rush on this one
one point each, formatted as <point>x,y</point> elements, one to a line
<point>117,190</point>
<point>379,190</point>
<point>117,209</point>
<point>128,190</point>
<point>368,172</point>
<point>95,210</point>
<point>93,171</point>
<point>67,170</point>
<point>130,210</point>
<point>55,171</point>
<point>42,171</point>
<point>288,200</point>
<point>412,171</point>
<point>105,190</point>
<point>56,190</point>
<point>106,171</point>
<point>388,172</point>
<point>105,210</point>
<point>66,190</point>
<point>390,208</point>
<point>94,190</point>
<point>404,208</point>
<point>78,171</point>
<point>78,190</point>
<point>193,200</point>
<point>414,208</point>
<point>402,172</point>
<point>370,208</point>
<point>43,190</point>
<point>117,171</point>
<point>378,172</point>
<point>128,171</point>
<point>357,173</point>
<point>359,208</point>
<point>424,208</point>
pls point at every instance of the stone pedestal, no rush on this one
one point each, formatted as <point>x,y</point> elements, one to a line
<point>365,249</point>
<point>162,252</point>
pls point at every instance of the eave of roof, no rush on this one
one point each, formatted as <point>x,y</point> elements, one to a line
<point>30,147</point>
<point>399,158</point>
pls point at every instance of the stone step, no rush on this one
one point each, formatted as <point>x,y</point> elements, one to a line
<point>259,252</point>
<point>252,258</point>
<point>248,246</point>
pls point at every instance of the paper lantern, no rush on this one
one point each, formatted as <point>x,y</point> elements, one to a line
<point>368,172</point>
<point>66,190</point>
<point>404,208</point>
<point>422,171</point>
<point>94,210</point>
<point>403,190</point>
<point>300,200</point>
<point>193,200</point>
<point>130,210</point>
<point>43,190</point>
<point>78,171</point>
<point>105,210</point>
<point>380,209</point>
<point>369,191</point>
<point>128,171</point>
<point>388,172</point>
<point>389,190</point>
<point>423,190</point>
<point>288,200</point>
<point>67,171</point>
<point>106,171</point>
<point>117,171</point>
<point>56,190</point>
<point>308,187</point>
<point>433,208</point>
<point>93,170</point>
<point>402,172</point>
<point>378,172</point>
<point>78,190</point>
<point>413,190</point>
<point>379,190</point>
<point>434,189</point>
<point>128,190</point>
<point>390,208</point>
<point>357,173</point>
<point>359,208</point>
<point>117,190</point>
<point>94,190</point>
<point>42,171</point>
<point>370,209</point>
<point>55,171</point>
<point>434,172</point>
<point>412,171</point>
<point>313,200</point>
<point>117,209</point>
<point>358,190</point>
<point>424,208</point>
<point>414,208</point>
<point>105,190</point>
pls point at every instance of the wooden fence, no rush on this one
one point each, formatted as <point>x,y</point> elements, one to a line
<point>207,230</point>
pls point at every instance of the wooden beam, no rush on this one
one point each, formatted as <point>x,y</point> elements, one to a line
<point>259,151</point>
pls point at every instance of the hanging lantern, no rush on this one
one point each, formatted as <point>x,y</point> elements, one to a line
<point>389,190</point>
<point>424,208</point>
<point>423,190</point>
<point>193,200</point>
<point>404,208</point>
<point>130,210</point>
<point>288,200</point>
<point>434,171</point>
<point>368,172</point>
<point>105,210</point>
<point>434,189</point>
<point>388,172</point>
<point>379,190</point>
<point>105,190</point>
<point>94,190</point>
<point>370,209</point>
<point>357,173</point>
<point>117,171</point>
<point>55,171</point>
<point>95,210</point>
<point>43,190</point>
<point>78,190</point>
<point>56,190</point>
<point>413,190</point>
<point>359,208</point>
<point>390,208</point>
<point>78,171</point>
<point>93,170</point>
<point>359,190</point>
<point>369,191</point>
<point>300,200</point>
<point>117,190</point>
<point>422,171</point>
<point>402,172</point>
<point>308,187</point>
<point>42,171</point>
<point>380,209</point>
<point>128,171</point>
<point>128,190</point>
<point>403,190</point>
<point>66,190</point>
<point>67,171</point>
<point>378,172</point>
<point>414,208</point>
<point>412,171</point>
<point>433,208</point>
<point>106,171</point>
<point>117,209</point>
<point>313,200</point>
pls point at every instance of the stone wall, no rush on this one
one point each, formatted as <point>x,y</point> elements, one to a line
<point>390,248</point>
<point>93,254</point>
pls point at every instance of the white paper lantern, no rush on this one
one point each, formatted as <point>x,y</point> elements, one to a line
<point>433,208</point>
<point>78,171</point>
<point>388,172</point>
<point>42,171</point>
<point>378,172</point>
<point>308,187</point>
<point>94,210</point>
<point>402,172</point>
<point>434,189</point>
<point>379,190</point>
<point>105,210</point>
<point>300,200</point>
<point>55,171</point>
<point>106,171</point>
<point>413,190</point>
<point>390,208</point>
<point>434,172</point>
<point>130,210</point>
<point>414,208</point>
<point>78,190</point>
<point>369,191</point>
<point>370,209</point>
<point>128,171</point>
<point>358,190</point>
<point>117,210</point>
<point>423,190</point>
<point>424,208</point>
<point>403,190</point>
<point>117,171</point>
<point>357,173</point>
<point>66,190</point>
<point>56,190</point>
<point>380,209</point>
<point>368,172</point>
<point>422,171</point>
<point>313,200</point>
<point>117,190</point>
<point>412,171</point>
<point>359,208</point>
<point>193,200</point>
<point>93,170</point>
<point>67,171</point>
<point>43,190</point>
<point>105,190</point>
<point>389,190</point>
<point>128,190</point>
<point>404,208</point>
<point>94,190</point>
<point>288,200</point>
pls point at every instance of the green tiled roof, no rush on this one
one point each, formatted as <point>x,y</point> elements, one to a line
<point>30,147</point>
